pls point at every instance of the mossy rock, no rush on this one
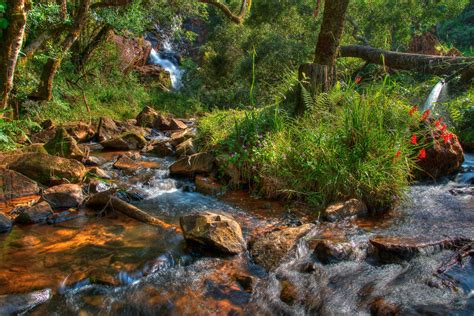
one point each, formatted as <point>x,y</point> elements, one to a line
<point>63,145</point>
<point>47,169</point>
<point>126,141</point>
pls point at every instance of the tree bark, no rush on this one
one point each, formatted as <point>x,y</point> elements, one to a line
<point>10,46</point>
<point>321,74</point>
<point>101,36</point>
<point>63,9</point>
<point>437,65</point>
<point>45,89</point>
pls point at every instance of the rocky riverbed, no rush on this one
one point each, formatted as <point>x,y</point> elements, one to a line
<point>127,218</point>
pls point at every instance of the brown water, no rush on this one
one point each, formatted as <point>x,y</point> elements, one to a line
<point>116,265</point>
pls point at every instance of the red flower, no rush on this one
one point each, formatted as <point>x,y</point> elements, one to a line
<point>413,110</point>
<point>447,137</point>
<point>438,122</point>
<point>425,115</point>
<point>413,139</point>
<point>443,128</point>
<point>358,79</point>
<point>398,154</point>
<point>422,154</point>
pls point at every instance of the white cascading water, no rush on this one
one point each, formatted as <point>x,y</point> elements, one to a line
<point>437,95</point>
<point>175,72</point>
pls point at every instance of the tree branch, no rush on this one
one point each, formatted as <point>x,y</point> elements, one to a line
<point>238,19</point>
<point>110,3</point>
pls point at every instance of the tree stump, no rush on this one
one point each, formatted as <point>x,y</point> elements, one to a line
<point>315,79</point>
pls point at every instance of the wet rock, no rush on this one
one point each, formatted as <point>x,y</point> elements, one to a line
<point>288,293</point>
<point>98,172</point>
<point>442,159</point>
<point>181,136</point>
<point>106,129</point>
<point>330,251</point>
<point>93,161</point>
<point>127,141</point>
<point>64,196</point>
<point>185,148</point>
<point>34,148</point>
<point>13,304</point>
<point>194,164</point>
<point>381,307</point>
<point>104,276</point>
<point>146,117</point>
<point>127,164</point>
<point>213,231</point>
<point>269,250</point>
<point>35,214</point>
<point>15,186</point>
<point>5,223</point>
<point>80,131</point>
<point>63,145</point>
<point>394,249</point>
<point>209,186</point>
<point>247,282</point>
<point>164,123</point>
<point>47,169</point>
<point>163,149</point>
<point>64,216</point>
<point>350,208</point>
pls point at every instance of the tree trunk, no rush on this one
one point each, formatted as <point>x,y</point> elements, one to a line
<point>45,89</point>
<point>101,36</point>
<point>10,46</point>
<point>321,74</point>
<point>437,65</point>
<point>63,9</point>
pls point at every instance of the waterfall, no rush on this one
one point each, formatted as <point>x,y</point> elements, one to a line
<point>438,93</point>
<point>171,67</point>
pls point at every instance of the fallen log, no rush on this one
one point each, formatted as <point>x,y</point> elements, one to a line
<point>430,64</point>
<point>107,199</point>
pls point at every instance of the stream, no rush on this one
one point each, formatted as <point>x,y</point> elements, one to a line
<point>116,265</point>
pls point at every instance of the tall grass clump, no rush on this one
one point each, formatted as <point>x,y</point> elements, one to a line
<point>346,145</point>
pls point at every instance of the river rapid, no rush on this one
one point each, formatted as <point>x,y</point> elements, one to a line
<point>115,265</point>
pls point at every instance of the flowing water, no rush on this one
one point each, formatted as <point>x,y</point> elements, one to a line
<point>438,94</point>
<point>116,265</point>
<point>169,64</point>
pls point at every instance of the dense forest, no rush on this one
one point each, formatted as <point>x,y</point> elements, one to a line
<point>212,157</point>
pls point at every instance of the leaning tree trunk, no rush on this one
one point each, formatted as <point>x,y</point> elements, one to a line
<point>45,89</point>
<point>320,75</point>
<point>429,64</point>
<point>101,36</point>
<point>10,45</point>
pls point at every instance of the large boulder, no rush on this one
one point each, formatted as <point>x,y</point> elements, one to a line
<point>269,250</point>
<point>107,129</point>
<point>5,223</point>
<point>35,214</point>
<point>126,141</point>
<point>15,188</point>
<point>213,231</point>
<point>341,210</point>
<point>64,196</point>
<point>47,169</point>
<point>146,117</point>
<point>164,123</point>
<point>63,145</point>
<point>132,52</point>
<point>200,163</point>
<point>442,158</point>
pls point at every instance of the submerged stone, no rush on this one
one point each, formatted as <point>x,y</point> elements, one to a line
<point>13,304</point>
<point>36,214</point>
<point>269,250</point>
<point>350,208</point>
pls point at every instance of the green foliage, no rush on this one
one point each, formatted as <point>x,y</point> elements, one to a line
<point>13,131</point>
<point>461,113</point>
<point>345,146</point>
<point>459,30</point>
